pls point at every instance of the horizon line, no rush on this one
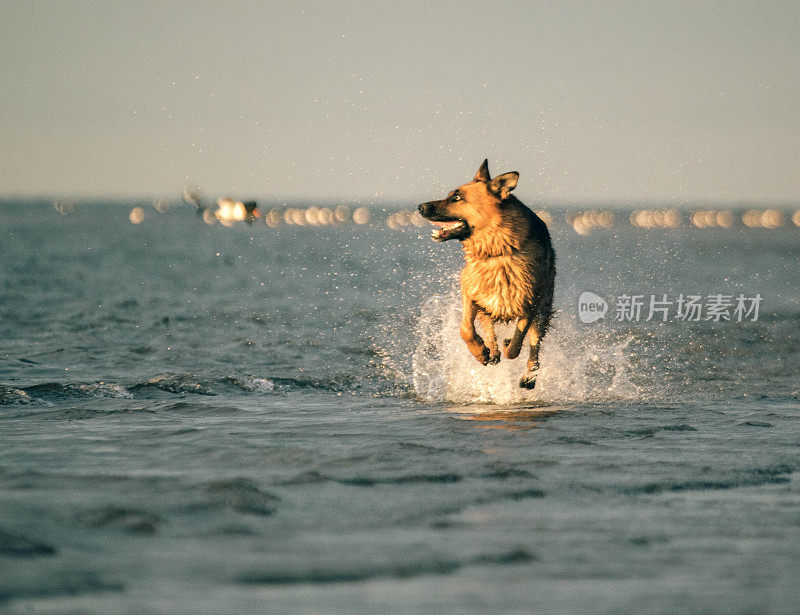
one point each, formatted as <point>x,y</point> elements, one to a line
<point>97,199</point>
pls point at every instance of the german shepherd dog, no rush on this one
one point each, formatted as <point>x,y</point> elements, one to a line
<point>510,265</point>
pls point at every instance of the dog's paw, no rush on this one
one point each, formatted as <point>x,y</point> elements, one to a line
<point>483,357</point>
<point>528,380</point>
<point>494,359</point>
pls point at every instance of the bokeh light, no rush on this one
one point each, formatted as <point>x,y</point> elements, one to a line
<point>772,218</point>
<point>65,208</point>
<point>136,216</point>
<point>584,223</point>
<point>362,215</point>
<point>769,218</point>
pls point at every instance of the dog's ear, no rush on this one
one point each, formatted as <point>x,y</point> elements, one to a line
<point>502,185</point>
<point>483,173</point>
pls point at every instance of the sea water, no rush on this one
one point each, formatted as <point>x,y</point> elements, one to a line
<point>204,419</point>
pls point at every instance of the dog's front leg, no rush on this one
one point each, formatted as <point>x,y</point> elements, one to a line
<point>474,341</point>
<point>487,326</point>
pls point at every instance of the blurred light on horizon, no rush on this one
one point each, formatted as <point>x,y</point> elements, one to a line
<point>341,213</point>
<point>711,218</point>
<point>230,211</point>
<point>769,218</point>
<point>209,217</point>
<point>661,218</point>
<point>584,223</point>
<point>136,216</point>
<point>65,208</point>
<point>772,218</point>
<point>362,215</point>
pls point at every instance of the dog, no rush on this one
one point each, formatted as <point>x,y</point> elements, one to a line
<point>510,266</point>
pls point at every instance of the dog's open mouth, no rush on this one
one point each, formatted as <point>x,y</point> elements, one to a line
<point>449,229</point>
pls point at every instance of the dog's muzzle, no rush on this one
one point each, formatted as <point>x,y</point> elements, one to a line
<point>426,210</point>
<point>449,228</point>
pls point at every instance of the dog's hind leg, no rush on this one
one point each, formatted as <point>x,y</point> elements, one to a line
<point>487,326</point>
<point>539,326</point>
<point>528,380</point>
<point>514,345</point>
<point>474,341</point>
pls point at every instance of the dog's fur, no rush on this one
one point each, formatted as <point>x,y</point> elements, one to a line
<point>510,265</point>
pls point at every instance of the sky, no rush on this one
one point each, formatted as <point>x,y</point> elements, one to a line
<point>379,102</point>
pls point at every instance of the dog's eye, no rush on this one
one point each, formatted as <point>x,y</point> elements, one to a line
<point>455,197</point>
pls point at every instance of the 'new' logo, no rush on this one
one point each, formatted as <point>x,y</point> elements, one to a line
<point>591,308</point>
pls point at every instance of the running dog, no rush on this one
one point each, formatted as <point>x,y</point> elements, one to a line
<point>510,265</point>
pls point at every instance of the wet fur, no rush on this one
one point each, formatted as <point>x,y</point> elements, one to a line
<point>510,266</point>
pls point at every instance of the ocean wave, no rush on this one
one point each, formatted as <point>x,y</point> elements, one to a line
<point>189,383</point>
<point>11,397</point>
<point>64,580</point>
<point>648,432</point>
<point>18,545</point>
<point>194,407</point>
<point>404,479</point>
<point>492,471</point>
<point>338,571</point>
<point>333,385</point>
<point>57,390</point>
<point>252,384</point>
<point>131,520</point>
<point>237,494</point>
<point>749,477</point>
<point>180,384</point>
<point>177,383</point>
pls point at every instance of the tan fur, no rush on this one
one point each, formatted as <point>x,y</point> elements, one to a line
<point>510,266</point>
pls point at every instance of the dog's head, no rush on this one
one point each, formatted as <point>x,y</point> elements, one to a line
<point>471,207</point>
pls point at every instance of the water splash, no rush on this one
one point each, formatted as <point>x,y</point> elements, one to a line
<point>579,364</point>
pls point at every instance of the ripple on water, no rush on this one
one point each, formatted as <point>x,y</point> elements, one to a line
<point>132,520</point>
<point>349,571</point>
<point>18,545</point>
<point>237,494</point>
